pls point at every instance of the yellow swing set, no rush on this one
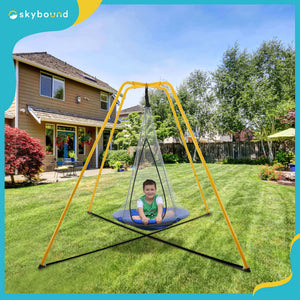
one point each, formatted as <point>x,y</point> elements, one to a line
<point>165,86</point>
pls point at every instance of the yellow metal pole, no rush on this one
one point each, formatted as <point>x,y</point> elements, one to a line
<point>209,175</point>
<point>109,141</point>
<point>81,174</point>
<point>184,143</point>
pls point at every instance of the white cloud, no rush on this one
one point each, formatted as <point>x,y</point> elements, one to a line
<point>166,42</point>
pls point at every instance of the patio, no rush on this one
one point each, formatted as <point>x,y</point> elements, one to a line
<point>50,177</point>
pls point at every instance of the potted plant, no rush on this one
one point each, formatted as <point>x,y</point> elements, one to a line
<point>61,139</point>
<point>84,160</point>
<point>60,161</point>
<point>291,157</point>
<point>72,155</point>
<point>292,165</point>
<point>117,166</point>
<point>85,139</point>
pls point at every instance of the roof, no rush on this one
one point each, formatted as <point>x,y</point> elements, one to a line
<point>9,115</point>
<point>46,61</point>
<point>51,115</point>
<point>136,108</point>
<point>283,134</point>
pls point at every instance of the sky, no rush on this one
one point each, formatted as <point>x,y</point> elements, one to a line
<point>150,43</point>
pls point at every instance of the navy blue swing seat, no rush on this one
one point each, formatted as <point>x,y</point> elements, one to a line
<point>125,217</point>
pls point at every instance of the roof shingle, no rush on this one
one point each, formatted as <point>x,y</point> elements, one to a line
<point>136,108</point>
<point>48,61</point>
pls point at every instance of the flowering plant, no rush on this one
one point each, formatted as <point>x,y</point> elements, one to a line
<point>61,139</point>
<point>269,173</point>
<point>23,153</point>
<point>85,139</point>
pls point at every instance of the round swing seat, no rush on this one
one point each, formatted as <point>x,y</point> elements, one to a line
<point>125,217</point>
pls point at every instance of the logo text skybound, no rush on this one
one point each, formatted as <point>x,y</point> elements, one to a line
<point>38,14</point>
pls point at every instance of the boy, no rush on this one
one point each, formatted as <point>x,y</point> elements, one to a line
<point>149,206</point>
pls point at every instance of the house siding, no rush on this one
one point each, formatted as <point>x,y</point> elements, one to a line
<point>29,94</point>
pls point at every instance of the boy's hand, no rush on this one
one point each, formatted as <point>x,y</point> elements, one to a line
<point>145,220</point>
<point>158,219</point>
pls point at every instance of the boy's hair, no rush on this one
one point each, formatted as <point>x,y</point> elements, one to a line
<point>149,182</point>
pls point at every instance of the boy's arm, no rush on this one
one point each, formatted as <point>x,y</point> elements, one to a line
<point>159,213</point>
<point>145,220</point>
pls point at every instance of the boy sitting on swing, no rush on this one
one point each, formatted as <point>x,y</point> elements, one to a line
<point>150,206</point>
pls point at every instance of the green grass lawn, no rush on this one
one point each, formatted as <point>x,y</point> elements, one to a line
<point>262,215</point>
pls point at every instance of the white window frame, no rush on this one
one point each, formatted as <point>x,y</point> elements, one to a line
<point>104,94</point>
<point>53,77</point>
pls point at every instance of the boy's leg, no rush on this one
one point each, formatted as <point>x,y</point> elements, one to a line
<point>170,213</point>
<point>136,217</point>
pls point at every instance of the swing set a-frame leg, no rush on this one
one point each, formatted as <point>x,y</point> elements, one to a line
<point>246,266</point>
<point>42,264</point>
<point>109,142</point>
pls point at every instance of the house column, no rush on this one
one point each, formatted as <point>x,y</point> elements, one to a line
<point>17,96</point>
<point>97,150</point>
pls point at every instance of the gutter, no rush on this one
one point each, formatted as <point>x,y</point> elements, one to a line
<point>31,111</point>
<point>17,96</point>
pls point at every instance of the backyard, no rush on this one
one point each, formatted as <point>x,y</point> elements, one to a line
<point>262,214</point>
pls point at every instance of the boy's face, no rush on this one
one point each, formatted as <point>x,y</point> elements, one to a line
<point>149,191</point>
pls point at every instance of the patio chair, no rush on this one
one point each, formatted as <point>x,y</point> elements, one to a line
<point>64,169</point>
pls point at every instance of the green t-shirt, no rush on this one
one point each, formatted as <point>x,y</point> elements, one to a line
<point>150,210</point>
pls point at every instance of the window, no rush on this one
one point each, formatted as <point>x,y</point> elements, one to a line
<point>49,139</point>
<point>81,132</point>
<point>104,101</point>
<point>65,128</point>
<point>52,87</point>
<point>46,85</point>
<point>106,135</point>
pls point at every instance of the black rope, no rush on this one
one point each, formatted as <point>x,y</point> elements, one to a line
<point>159,179</point>
<point>233,265</point>
<point>147,103</point>
<point>230,264</point>
<point>137,169</point>
<point>94,251</point>
<point>117,244</point>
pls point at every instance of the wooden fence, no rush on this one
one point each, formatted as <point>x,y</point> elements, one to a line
<point>213,152</point>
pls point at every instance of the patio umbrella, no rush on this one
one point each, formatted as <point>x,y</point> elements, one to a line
<point>283,134</point>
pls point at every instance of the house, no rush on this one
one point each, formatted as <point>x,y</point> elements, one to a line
<point>125,112</point>
<point>216,138</point>
<point>55,100</point>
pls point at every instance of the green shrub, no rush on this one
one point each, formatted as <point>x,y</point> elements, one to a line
<point>170,158</point>
<point>284,157</point>
<point>115,155</point>
<point>262,160</point>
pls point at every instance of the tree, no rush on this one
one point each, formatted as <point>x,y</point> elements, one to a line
<point>164,122</point>
<point>288,118</point>
<point>23,153</point>
<point>230,80</point>
<point>271,88</point>
<point>198,102</point>
<point>129,136</point>
<point>253,89</point>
